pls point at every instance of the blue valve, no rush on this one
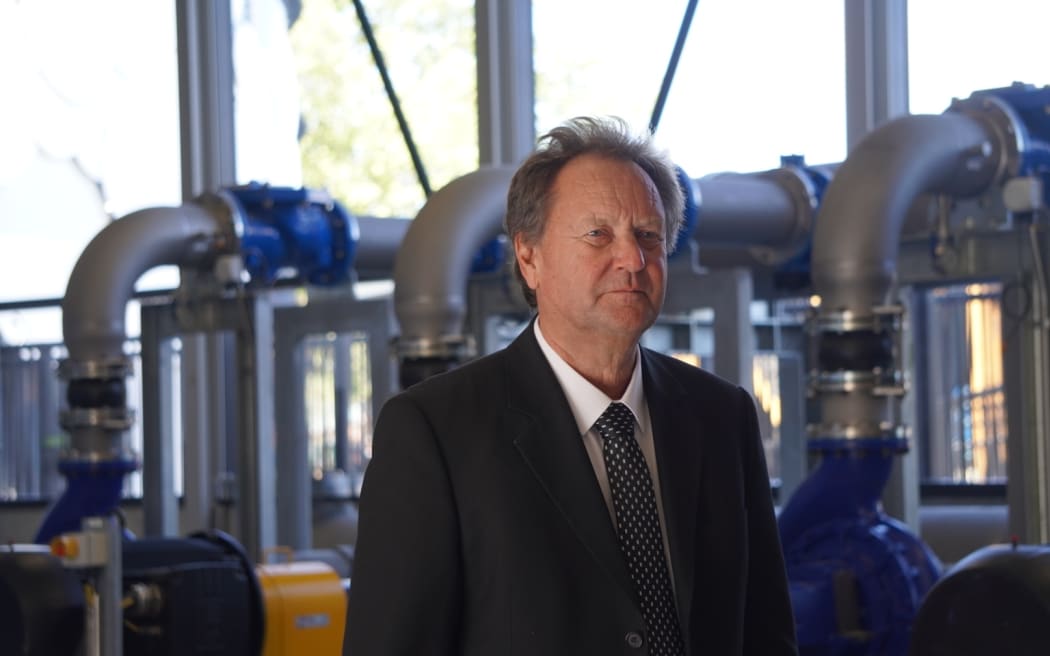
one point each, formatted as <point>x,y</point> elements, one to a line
<point>289,232</point>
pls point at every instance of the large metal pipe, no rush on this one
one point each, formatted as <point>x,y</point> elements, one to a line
<point>856,239</point>
<point>771,209</point>
<point>93,311</point>
<point>855,249</point>
<point>93,308</point>
<point>378,244</point>
<point>857,381</point>
<point>432,266</point>
<point>103,279</point>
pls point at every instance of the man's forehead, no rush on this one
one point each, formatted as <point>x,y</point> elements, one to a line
<point>603,180</point>
<point>604,218</point>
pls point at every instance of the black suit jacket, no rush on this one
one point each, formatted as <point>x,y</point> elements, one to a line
<point>483,530</point>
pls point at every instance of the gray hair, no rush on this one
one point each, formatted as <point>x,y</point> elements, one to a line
<point>529,196</point>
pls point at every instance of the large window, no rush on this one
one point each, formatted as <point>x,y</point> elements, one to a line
<point>955,49</point>
<point>746,92</point>
<point>966,440</point>
<point>312,109</point>
<point>89,133</point>
<point>338,405</point>
<point>89,130</point>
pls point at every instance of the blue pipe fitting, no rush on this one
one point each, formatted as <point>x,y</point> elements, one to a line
<point>794,273</point>
<point>491,256</point>
<point>1029,104</point>
<point>857,576</point>
<point>1017,114</point>
<point>690,212</point>
<point>93,489</point>
<point>286,230</point>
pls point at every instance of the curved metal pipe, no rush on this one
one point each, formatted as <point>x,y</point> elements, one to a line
<point>856,239</point>
<point>378,243</point>
<point>433,263</point>
<point>93,308</point>
<point>750,209</point>
<point>103,279</point>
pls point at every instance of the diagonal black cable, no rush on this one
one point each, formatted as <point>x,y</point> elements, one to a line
<point>413,152</point>
<point>665,87</point>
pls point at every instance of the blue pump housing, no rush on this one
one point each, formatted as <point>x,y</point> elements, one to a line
<point>857,576</point>
<point>92,489</point>
<point>287,229</point>
<point>1029,104</point>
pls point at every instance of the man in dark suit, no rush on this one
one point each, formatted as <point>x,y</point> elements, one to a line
<point>574,494</point>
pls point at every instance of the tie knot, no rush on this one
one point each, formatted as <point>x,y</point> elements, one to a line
<point>616,421</point>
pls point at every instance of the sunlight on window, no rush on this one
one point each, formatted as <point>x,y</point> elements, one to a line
<point>350,143</point>
<point>746,91</point>
<point>967,413</point>
<point>956,48</point>
<point>765,378</point>
<point>337,397</point>
<point>90,133</point>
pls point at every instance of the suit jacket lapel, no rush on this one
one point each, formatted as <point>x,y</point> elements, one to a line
<point>677,442</point>
<point>544,431</point>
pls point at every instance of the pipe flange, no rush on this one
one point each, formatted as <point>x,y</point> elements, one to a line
<point>1010,133</point>
<point>222,204</point>
<point>106,418</point>
<point>844,381</point>
<point>451,347</point>
<point>858,431</point>
<point>100,368</point>
<point>803,192</point>
<point>879,319</point>
<point>878,382</point>
<point>73,457</point>
<point>895,388</point>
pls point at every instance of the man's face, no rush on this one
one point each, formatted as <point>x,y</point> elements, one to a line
<point>600,266</point>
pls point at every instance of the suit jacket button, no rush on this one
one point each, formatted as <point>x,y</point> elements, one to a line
<point>633,640</point>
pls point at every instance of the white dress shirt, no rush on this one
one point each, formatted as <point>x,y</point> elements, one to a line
<point>588,403</point>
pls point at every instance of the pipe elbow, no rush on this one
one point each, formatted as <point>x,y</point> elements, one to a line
<point>855,243</point>
<point>104,276</point>
<point>433,264</point>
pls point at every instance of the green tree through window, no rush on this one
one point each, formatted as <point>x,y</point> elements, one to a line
<point>350,140</point>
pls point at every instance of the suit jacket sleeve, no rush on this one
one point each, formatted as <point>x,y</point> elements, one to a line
<point>405,592</point>
<point>769,624</point>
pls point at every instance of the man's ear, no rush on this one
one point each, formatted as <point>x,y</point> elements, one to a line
<point>525,252</point>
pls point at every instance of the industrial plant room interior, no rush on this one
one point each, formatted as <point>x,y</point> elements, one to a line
<point>230,231</point>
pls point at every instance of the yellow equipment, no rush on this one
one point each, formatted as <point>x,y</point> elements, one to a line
<point>305,609</point>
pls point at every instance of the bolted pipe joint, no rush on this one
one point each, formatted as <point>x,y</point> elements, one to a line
<point>284,231</point>
<point>857,352</point>
<point>857,377</point>
<point>422,357</point>
<point>96,413</point>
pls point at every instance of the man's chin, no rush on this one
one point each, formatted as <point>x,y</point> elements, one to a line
<point>627,324</point>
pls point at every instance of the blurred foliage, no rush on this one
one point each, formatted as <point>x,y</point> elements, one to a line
<point>350,142</point>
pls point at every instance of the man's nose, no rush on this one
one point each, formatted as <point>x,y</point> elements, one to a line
<point>629,253</point>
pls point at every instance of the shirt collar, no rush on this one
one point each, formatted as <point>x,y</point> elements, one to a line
<point>586,401</point>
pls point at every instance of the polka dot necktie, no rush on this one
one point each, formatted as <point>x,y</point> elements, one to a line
<point>638,525</point>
